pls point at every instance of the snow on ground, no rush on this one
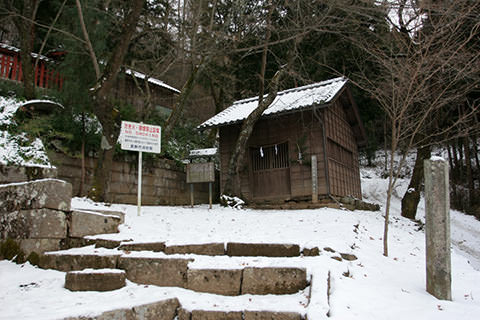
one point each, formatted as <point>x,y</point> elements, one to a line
<point>372,287</point>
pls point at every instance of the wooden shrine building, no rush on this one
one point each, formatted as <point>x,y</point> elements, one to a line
<point>320,119</point>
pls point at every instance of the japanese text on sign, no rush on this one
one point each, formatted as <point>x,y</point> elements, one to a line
<point>140,137</point>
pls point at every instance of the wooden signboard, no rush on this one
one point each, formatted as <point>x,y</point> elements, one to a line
<point>200,172</point>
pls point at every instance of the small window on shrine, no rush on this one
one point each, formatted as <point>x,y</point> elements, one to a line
<point>270,157</point>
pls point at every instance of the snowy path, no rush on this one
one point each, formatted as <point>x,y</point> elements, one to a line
<point>466,236</point>
<point>464,229</point>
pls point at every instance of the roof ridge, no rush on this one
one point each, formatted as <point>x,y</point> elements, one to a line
<point>305,87</point>
<point>287,100</point>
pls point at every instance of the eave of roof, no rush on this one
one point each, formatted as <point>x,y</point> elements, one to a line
<point>17,50</point>
<point>151,80</point>
<point>287,101</point>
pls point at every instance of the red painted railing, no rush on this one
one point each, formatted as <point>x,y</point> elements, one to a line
<point>11,68</point>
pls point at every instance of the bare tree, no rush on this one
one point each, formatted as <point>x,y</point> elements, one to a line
<point>105,108</point>
<point>421,73</point>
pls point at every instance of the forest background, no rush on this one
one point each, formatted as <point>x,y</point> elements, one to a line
<point>413,65</point>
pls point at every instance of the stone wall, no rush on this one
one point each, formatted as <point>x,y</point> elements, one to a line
<point>35,217</point>
<point>9,174</point>
<point>163,182</point>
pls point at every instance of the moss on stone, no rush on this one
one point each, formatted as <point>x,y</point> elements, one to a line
<point>33,258</point>
<point>10,250</point>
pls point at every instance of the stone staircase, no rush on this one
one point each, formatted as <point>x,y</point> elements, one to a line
<point>37,215</point>
<point>199,268</point>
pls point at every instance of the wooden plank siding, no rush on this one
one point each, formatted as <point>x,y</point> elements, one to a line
<point>343,168</point>
<point>303,133</point>
<point>332,131</point>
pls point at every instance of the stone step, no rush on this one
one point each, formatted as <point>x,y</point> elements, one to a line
<point>174,271</point>
<point>161,310</point>
<point>85,223</point>
<point>95,280</point>
<point>237,315</point>
<point>65,261</point>
<point>232,249</point>
<point>171,309</point>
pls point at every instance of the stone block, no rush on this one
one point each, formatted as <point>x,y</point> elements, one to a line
<point>216,315</point>
<point>70,262</point>
<point>311,252</point>
<point>157,271</point>
<point>119,214</point>
<point>146,246</point>
<point>224,282</point>
<point>263,249</point>
<point>119,314</point>
<point>39,246</point>
<point>38,194</point>
<point>69,243</point>
<point>9,174</point>
<point>348,256</point>
<point>273,280</point>
<point>106,243</point>
<point>85,223</point>
<point>269,315</point>
<point>209,249</point>
<point>37,223</point>
<point>362,205</point>
<point>183,314</point>
<point>95,280</point>
<point>162,310</point>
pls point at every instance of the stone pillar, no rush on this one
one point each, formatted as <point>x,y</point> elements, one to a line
<point>437,228</point>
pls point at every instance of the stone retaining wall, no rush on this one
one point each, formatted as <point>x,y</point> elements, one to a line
<point>9,174</point>
<point>35,216</point>
<point>163,182</point>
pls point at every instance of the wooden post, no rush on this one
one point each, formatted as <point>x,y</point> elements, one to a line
<point>14,68</point>
<point>314,180</point>
<point>191,195</point>
<point>210,194</point>
<point>437,228</point>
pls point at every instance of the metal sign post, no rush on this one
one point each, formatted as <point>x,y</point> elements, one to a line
<point>139,189</point>
<point>142,138</point>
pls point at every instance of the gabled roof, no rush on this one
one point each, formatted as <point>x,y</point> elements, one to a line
<point>17,51</point>
<point>151,80</point>
<point>316,94</point>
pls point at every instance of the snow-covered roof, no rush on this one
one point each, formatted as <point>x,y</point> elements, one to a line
<point>154,81</point>
<point>42,103</point>
<point>289,100</point>
<point>34,55</point>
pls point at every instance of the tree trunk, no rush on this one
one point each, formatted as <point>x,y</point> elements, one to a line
<point>475,155</point>
<point>389,196</point>
<point>236,159</point>
<point>104,106</point>
<point>468,166</point>
<point>412,195</point>
<point>182,101</point>
<point>453,179</point>
<point>24,23</point>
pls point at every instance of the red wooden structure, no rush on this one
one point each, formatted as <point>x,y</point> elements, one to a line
<point>45,74</point>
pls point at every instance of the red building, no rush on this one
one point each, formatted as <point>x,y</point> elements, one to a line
<point>45,74</point>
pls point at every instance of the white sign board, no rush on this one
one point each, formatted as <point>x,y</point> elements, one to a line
<point>140,137</point>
